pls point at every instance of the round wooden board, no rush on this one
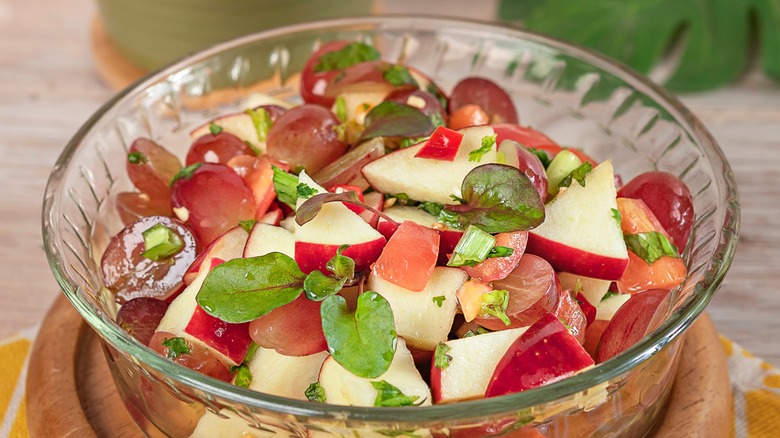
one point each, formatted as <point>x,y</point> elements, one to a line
<point>70,391</point>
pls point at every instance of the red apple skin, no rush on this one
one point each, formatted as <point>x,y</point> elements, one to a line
<point>294,329</point>
<point>498,268</point>
<point>442,145</point>
<point>635,319</point>
<point>569,312</point>
<point>587,308</point>
<point>547,352</point>
<point>314,256</point>
<point>576,261</point>
<point>232,340</point>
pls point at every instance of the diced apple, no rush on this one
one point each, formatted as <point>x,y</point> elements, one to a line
<point>639,316</point>
<point>238,124</point>
<point>266,238</point>
<point>316,241</point>
<point>344,388</point>
<point>593,289</point>
<point>226,247</point>
<point>473,362</point>
<point>285,376</point>
<point>607,307</point>
<point>424,179</point>
<point>546,353</point>
<point>580,233</point>
<point>409,257</point>
<point>419,318</point>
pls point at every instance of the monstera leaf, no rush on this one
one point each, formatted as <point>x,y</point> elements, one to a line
<point>713,36</point>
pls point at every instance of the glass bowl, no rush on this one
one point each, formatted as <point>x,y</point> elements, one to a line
<point>577,97</point>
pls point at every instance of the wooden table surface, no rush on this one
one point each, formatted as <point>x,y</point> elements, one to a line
<point>49,86</point>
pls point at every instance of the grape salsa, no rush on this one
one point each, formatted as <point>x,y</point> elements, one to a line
<point>386,243</point>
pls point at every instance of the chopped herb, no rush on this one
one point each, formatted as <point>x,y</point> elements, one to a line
<point>542,155</point>
<point>439,300</point>
<point>650,246</point>
<point>214,128</point>
<point>247,225</point>
<point>610,294</point>
<point>494,304</point>
<point>472,248</point>
<point>398,75</point>
<point>341,109</point>
<point>478,331</point>
<point>316,393</point>
<point>285,185</point>
<point>411,141</point>
<point>568,327</point>
<point>577,174</point>
<point>176,347</point>
<point>458,199</point>
<point>616,216</point>
<point>390,396</point>
<point>437,119</point>
<point>488,142</point>
<point>304,191</point>
<point>185,172</point>
<point>161,242</point>
<point>351,54</point>
<point>500,251</point>
<point>136,158</point>
<point>262,121</point>
<point>243,375</point>
<point>441,359</point>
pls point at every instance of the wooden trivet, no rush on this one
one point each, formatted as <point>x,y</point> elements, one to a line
<point>112,65</point>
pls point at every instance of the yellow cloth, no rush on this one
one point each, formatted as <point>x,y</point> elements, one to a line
<point>755,384</point>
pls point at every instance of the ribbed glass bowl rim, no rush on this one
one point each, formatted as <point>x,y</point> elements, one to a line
<point>680,320</point>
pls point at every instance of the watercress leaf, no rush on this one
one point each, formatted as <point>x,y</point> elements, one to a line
<point>390,396</point>
<point>650,246</point>
<point>362,342</point>
<point>241,290</point>
<point>319,286</point>
<point>340,265</point>
<point>393,119</point>
<point>351,54</point>
<point>498,198</point>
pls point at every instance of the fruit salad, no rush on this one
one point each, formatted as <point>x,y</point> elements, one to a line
<point>387,243</point>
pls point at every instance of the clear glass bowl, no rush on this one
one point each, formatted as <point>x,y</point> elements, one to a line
<point>576,96</point>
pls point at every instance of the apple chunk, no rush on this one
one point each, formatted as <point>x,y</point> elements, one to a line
<point>425,179</point>
<point>238,124</point>
<point>344,388</point>
<point>285,376</point>
<point>418,316</point>
<point>226,247</point>
<point>580,233</point>
<point>266,239</point>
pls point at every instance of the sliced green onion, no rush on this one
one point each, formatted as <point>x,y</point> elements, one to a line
<point>286,186</point>
<point>494,304</point>
<point>472,248</point>
<point>262,121</point>
<point>560,167</point>
<point>161,242</point>
<point>341,109</point>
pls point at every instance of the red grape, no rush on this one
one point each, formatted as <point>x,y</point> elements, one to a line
<point>151,167</point>
<point>130,275</point>
<point>132,206</point>
<point>294,329</point>
<point>468,115</point>
<point>140,317</point>
<point>305,137</point>
<point>199,358</point>
<point>487,95</point>
<point>313,83</point>
<point>217,148</point>
<point>365,76</point>
<point>212,200</point>
<point>668,198</point>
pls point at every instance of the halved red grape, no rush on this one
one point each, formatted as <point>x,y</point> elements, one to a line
<point>668,198</point>
<point>140,317</point>
<point>305,138</point>
<point>211,200</point>
<point>199,357</point>
<point>533,290</point>
<point>347,168</point>
<point>487,95</point>
<point>313,83</point>
<point>132,206</point>
<point>151,167</point>
<point>294,329</point>
<point>130,275</point>
<point>217,148</point>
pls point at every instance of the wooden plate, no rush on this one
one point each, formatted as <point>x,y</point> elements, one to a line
<point>70,391</point>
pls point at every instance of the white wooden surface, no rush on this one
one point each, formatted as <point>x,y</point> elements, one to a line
<point>48,87</point>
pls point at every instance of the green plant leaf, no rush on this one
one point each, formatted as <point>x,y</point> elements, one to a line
<point>650,246</point>
<point>390,396</point>
<point>393,119</point>
<point>351,54</point>
<point>241,290</point>
<point>362,342</point>
<point>319,286</point>
<point>714,35</point>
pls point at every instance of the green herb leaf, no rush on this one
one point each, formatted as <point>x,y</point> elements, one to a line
<point>650,246</point>
<point>316,393</point>
<point>319,286</point>
<point>243,375</point>
<point>494,304</point>
<point>472,248</point>
<point>577,174</point>
<point>185,172</point>
<point>244,289</point>
<point>304,191</point>
<point>439,300</point>
<point>215,129</point>
<point>542,155</point>
<point>351,54</point>
<point>479,331</point>
<point>137,158</point>
<point>498,198</point>
<point>500,251</point>
<point>398,75</point>
<point>161,242</point>
<point>286,186</point>
<point>247,225</point>
<point>441,359</point>
<point>341,109</point>
<point>262,121</point>
<point>616,216</point>
<point>488,143</point>
<point>176,347</point>
<point>609,294</point>
<point>340,265</point>
<point>446,217</point>
<point>362,342</point>
<point>393,119</point>
<point>411,141</point>
<point>390,396</point>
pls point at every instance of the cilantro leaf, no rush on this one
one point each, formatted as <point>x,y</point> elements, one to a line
<point>498,198</point>
<point>488,142</point>
<point>542,155</point>
<point>244,289</point>
<point>439,300</point>
<point>390,396</point>
<point>351,54</point>
<point>650,246</point>
<point>441,359</point>
<point>185,172</point>
<point>304,191</point>
<point>616,216</point>
<point>176,347</point>
<point>393,119</point>
<point>495,304</point>
<point>363,342</point>
<point>316,393</point>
